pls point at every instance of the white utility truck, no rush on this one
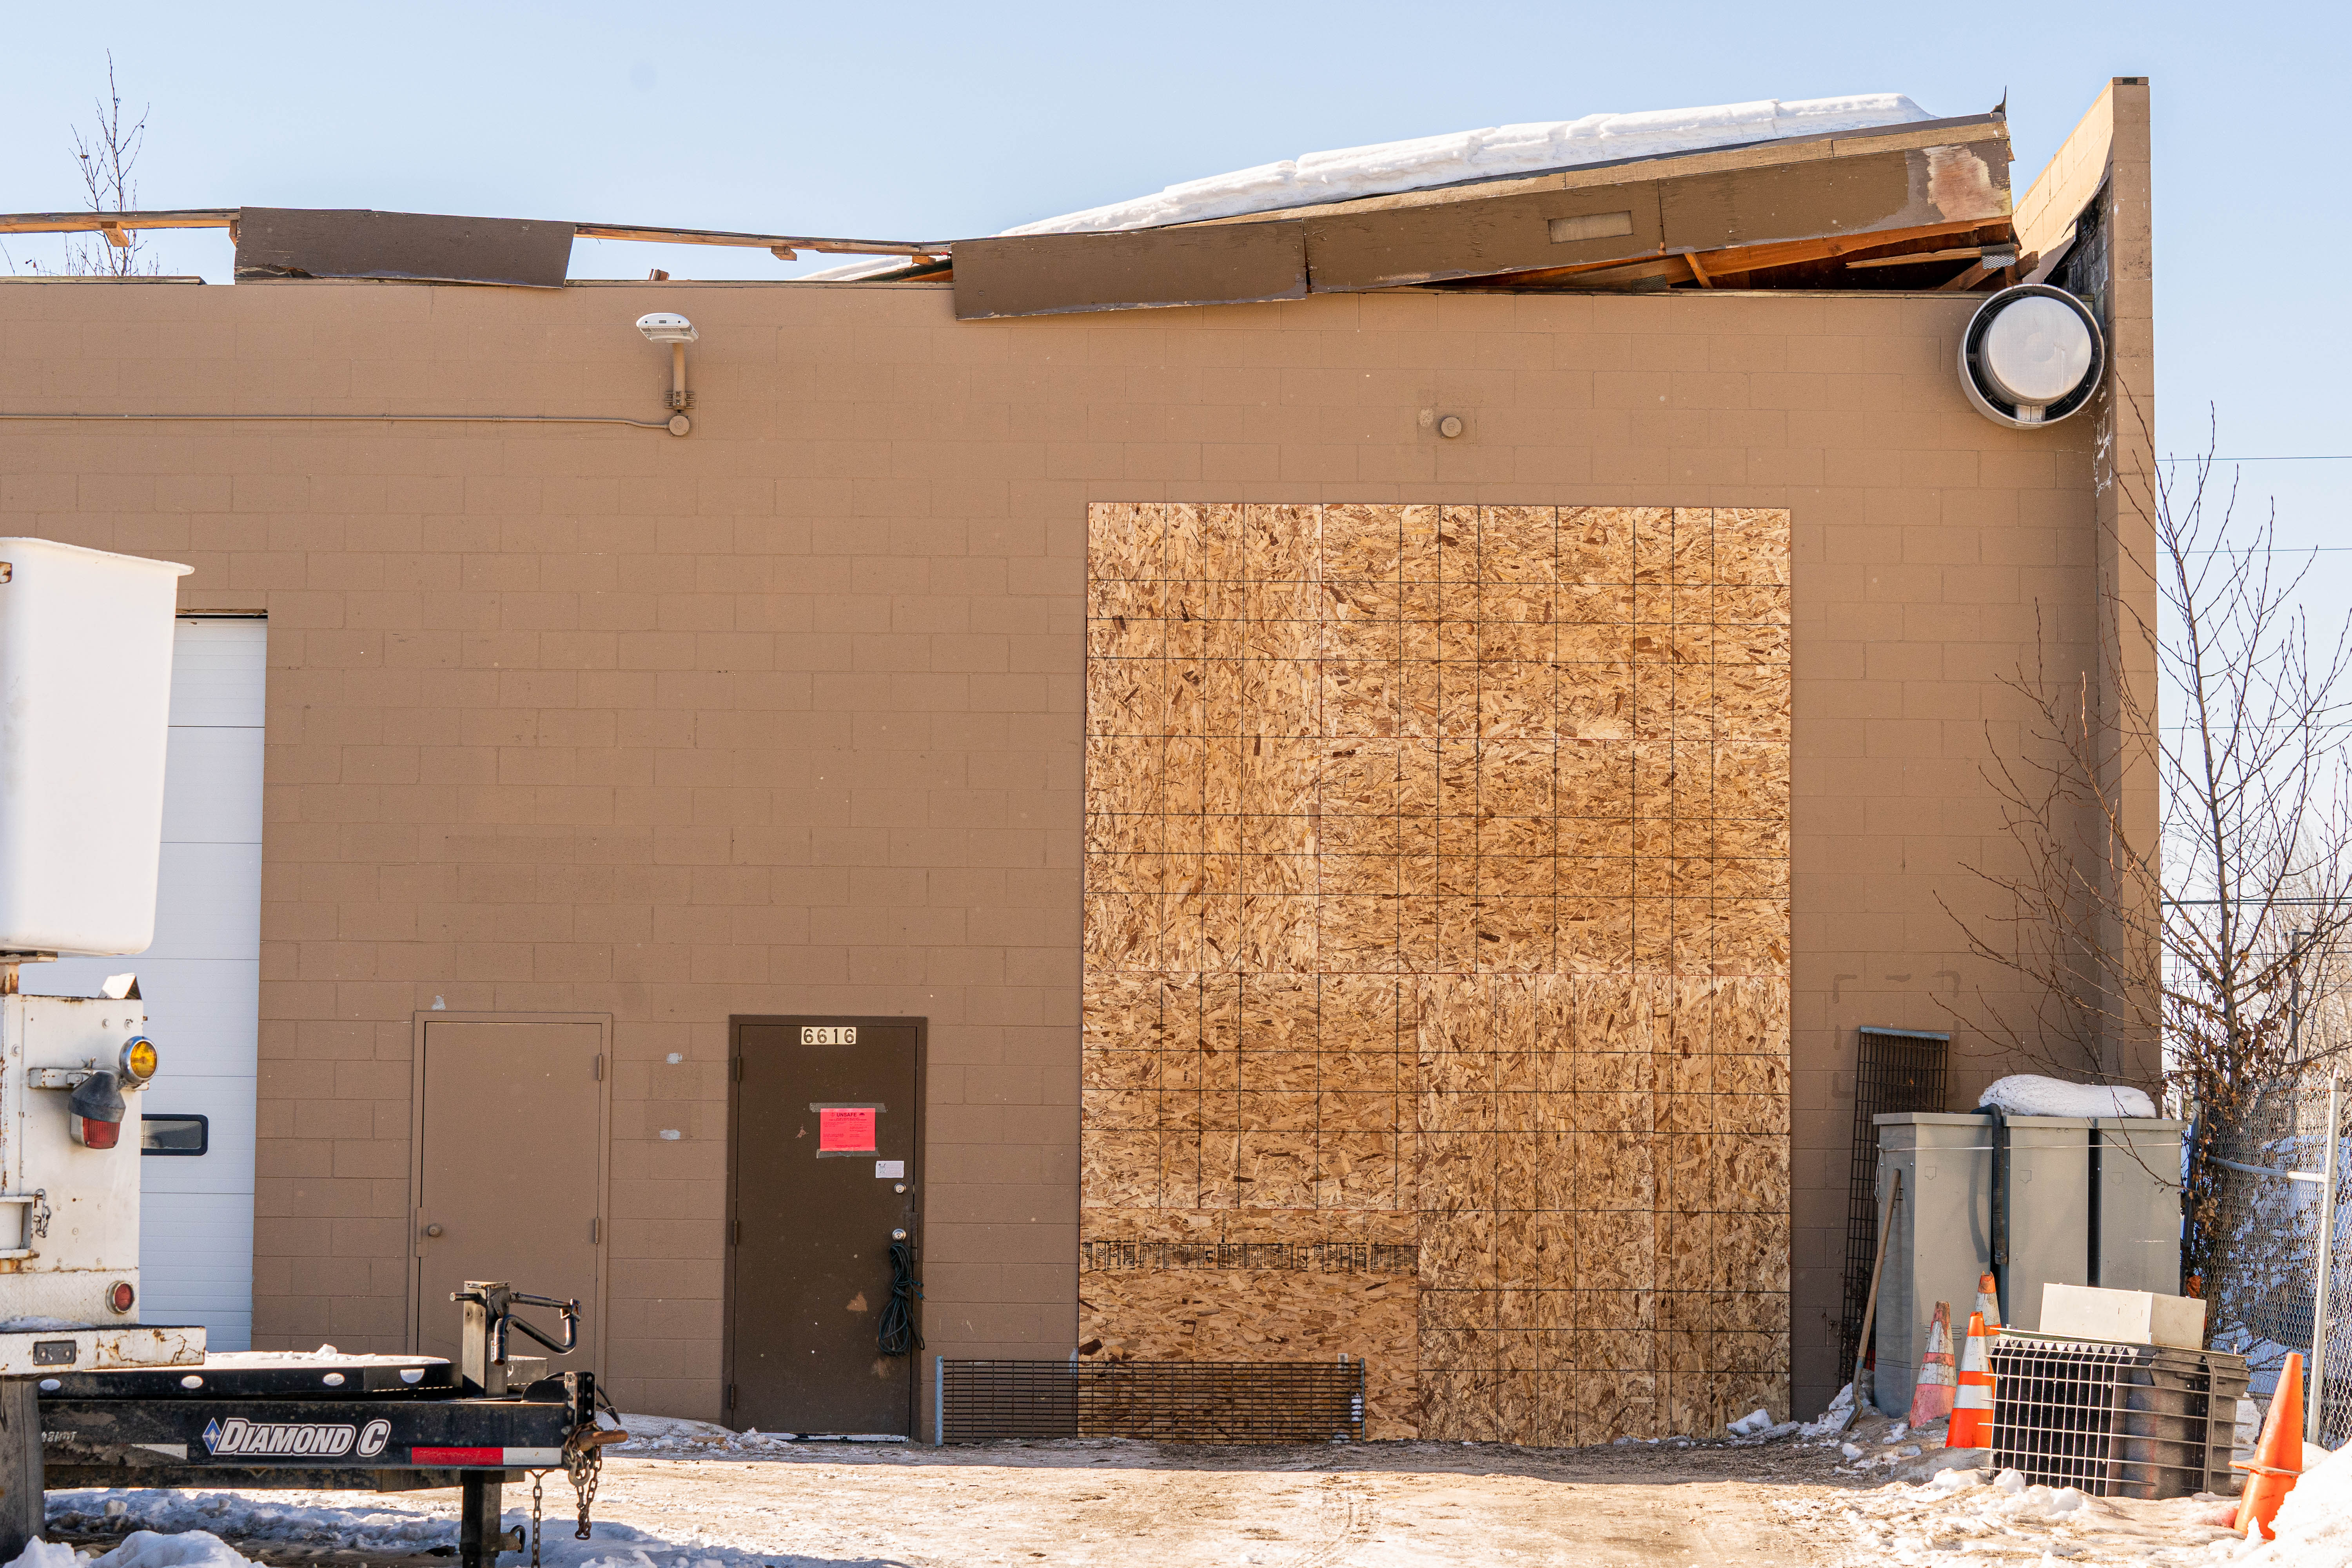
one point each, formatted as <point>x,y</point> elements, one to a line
<point>88,1394</point>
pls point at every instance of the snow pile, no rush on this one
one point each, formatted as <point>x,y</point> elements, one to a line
<point>2026,1095</point>
<point>145,1549</point>
<point>40,1553</point>
<point>1962,1517</point>
<point>657,1429</point>
<point>675,1437</point>
<point>196,1548</point>
<point>1388,166</point>
<point>2315,1523</point>
<point>1834,1420</point>
<point>325,1355</point>
<point>400,1525</point>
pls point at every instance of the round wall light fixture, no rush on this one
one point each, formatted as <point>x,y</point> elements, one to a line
<point>2031,356</point>
<point>669,327</point>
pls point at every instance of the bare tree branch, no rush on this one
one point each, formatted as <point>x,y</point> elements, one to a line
<point>108,154</point>
<point>2200,938</point>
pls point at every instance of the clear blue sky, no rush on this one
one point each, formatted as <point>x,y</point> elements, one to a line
<point>936,121</point>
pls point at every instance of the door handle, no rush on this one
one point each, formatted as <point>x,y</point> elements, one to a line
<point>431,1230</point>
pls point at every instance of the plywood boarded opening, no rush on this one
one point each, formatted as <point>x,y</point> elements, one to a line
<point>1436,956</point>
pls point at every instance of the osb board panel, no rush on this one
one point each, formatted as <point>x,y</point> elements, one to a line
<point>1436,935</point>
<point>1262,1314</point>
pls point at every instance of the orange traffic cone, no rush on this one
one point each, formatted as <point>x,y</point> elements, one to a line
<point>2278,1459</point>
<point>1988,1303</point>
<point>1972,1406</point>
<point>1931,1396</point>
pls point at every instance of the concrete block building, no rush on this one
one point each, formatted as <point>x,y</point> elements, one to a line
<point>1325,781</point>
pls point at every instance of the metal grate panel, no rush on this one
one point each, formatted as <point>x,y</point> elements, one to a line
<point>1165,1400</point>
<point>2116,1420</point>
<point>1894,1070</point>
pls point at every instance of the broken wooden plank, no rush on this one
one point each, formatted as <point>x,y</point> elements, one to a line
<point>1826,248</point>
<point>225,217</point>
<point>1969,252</point>
<point>94,222</point>
<point>1738,262</point>
<point>656,236</point>
<point>1048,274</point>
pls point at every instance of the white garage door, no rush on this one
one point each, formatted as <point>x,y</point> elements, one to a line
<point>202,981</point>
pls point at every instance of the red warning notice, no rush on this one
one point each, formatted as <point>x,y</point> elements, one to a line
<point>849,1131</point>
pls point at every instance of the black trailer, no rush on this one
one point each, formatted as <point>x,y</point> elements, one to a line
<point>351,1422</point>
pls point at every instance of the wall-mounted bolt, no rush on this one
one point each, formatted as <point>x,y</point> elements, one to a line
<point>1451,426</point>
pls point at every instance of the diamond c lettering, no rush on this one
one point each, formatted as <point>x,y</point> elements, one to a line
<point>291,1439</point>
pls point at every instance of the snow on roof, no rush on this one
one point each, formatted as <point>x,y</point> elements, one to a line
<point>1387,167</point>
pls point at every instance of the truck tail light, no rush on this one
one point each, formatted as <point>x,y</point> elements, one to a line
<point>95,1115</point>
<point>120,1295</point>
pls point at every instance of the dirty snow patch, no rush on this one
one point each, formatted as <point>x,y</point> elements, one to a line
<point>182,1530</point>
<point>1963,1517</point>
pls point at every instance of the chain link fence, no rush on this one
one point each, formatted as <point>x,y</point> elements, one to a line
<point>2267,1272</point>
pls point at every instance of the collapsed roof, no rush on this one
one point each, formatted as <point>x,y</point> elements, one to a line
<point>1860,192</point>
<point>1856,193</point>
<point>1384,168</point>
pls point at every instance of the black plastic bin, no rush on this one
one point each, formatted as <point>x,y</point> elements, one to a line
<point>2116,1420</point>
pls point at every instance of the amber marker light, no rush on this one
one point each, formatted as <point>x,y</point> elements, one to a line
<point>139,1060</point>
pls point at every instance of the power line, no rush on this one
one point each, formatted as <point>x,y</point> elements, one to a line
<point>2293,457</point>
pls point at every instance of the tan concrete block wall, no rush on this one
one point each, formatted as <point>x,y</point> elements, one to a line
<point>784,716</point>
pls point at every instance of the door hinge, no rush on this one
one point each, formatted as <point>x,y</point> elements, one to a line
<point>736,1237</point>
<point>730,1396</point>
<point>596,1232</point>
<point>739,1069</point>
<point>600,1067</point>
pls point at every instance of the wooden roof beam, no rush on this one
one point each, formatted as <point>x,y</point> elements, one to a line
<point>781,245</point>
<point>1710,267</point>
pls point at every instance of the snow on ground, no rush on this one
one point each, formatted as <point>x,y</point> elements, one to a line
<point>145,1549</point>
<point>1963,1517</point>
<point>2315,1523</point>
<point>392,1524</point>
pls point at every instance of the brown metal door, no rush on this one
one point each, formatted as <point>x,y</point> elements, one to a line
<point>509,1178</point>
<point>824,1164</point>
